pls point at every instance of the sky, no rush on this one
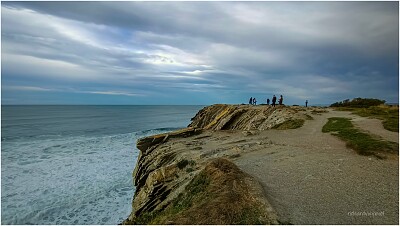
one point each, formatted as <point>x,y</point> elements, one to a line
<point>198,53</point>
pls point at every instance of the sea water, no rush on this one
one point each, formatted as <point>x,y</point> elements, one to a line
<point>73,164</point>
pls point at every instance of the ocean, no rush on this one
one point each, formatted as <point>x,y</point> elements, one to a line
<point>74,164</point>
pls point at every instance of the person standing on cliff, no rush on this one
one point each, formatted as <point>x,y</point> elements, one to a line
<point>251,100</point>
<point>306,102</point>
<point>273,100</point>
<point>267,101</point>
<point>254,101</point>
<point>280,100</point>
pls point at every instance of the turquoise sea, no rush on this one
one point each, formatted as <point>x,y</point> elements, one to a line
<point>73,164</point>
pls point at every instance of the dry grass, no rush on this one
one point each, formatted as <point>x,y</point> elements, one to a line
<point>290,124</point>
<point>217,195</point>
<point>318,111</point>
<point>309,117</point>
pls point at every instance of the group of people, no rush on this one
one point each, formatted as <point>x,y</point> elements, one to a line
<point>253,101</point>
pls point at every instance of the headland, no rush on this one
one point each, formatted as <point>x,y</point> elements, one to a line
<point>244,164</point>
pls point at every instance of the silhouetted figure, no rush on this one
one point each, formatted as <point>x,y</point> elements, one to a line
<point>306,102</point>
<point>280,100</point>
<point>273,100</point>
<point>267,101</point>
<point>254,101</point>
<point>251,100</point>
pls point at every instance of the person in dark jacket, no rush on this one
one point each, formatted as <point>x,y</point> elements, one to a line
<point>267,101</point>
<point>251,100</point>
<point>273,100</point>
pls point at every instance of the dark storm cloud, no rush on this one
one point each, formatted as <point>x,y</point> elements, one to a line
<point>319,50</point>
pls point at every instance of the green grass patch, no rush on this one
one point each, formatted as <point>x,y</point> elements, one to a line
<point>193,189</point>
<point>361,142</point>
<point>145,218</point>
<point>290,124</point>
<point>194,192</point>
<point>388,115</point>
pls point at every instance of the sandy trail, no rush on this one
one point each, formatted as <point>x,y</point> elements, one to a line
<point>310,177</point>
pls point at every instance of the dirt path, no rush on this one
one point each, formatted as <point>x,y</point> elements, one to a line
<point>310,177</point>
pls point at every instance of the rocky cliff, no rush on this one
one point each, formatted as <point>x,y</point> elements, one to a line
<point>244,117</point>
<point>187,177</point>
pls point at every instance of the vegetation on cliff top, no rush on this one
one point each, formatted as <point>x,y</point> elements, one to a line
<point>290,124</point>
<point>373,108</point>
<point>358,103</point>
<point>219,194</point>
<point>389,115</point>
<point>361,142</point>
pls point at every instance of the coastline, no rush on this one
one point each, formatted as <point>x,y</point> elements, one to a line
<point>253,139</point>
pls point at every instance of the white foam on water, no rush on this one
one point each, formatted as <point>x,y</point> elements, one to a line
<point>73,180</point>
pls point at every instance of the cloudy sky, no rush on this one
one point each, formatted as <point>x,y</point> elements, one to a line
<point>198,52</point>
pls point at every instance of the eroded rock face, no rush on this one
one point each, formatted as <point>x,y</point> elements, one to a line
<point>157,173</point>
<point>145,143</point>
<point>168,162</point>
<point>242,117</point>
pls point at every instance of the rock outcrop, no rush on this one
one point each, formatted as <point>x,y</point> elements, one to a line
<point>244,117</point>
<point>167,173</point>
<point>158,172</point>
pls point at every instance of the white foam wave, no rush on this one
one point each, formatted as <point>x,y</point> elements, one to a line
<point>75,180</point>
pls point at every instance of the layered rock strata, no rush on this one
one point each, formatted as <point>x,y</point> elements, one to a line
<point>169,163</point>
<point>244,117</point>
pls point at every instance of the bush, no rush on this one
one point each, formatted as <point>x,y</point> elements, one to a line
<point>358,103</point>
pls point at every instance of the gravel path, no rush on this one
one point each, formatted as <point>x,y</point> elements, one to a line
<point>310,177</point>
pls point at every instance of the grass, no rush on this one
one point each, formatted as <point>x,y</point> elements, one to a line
<point>318,111</point>
<point>361,142</point>
<point>217,195</point>
<point>290,124</point>
<point>389,115</point>
<point>194,192</point>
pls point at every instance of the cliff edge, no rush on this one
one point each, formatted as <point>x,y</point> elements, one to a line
<point>188,177</point>
<point>233,163</point>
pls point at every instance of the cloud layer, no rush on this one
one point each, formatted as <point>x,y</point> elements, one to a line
<point>198,52</point>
